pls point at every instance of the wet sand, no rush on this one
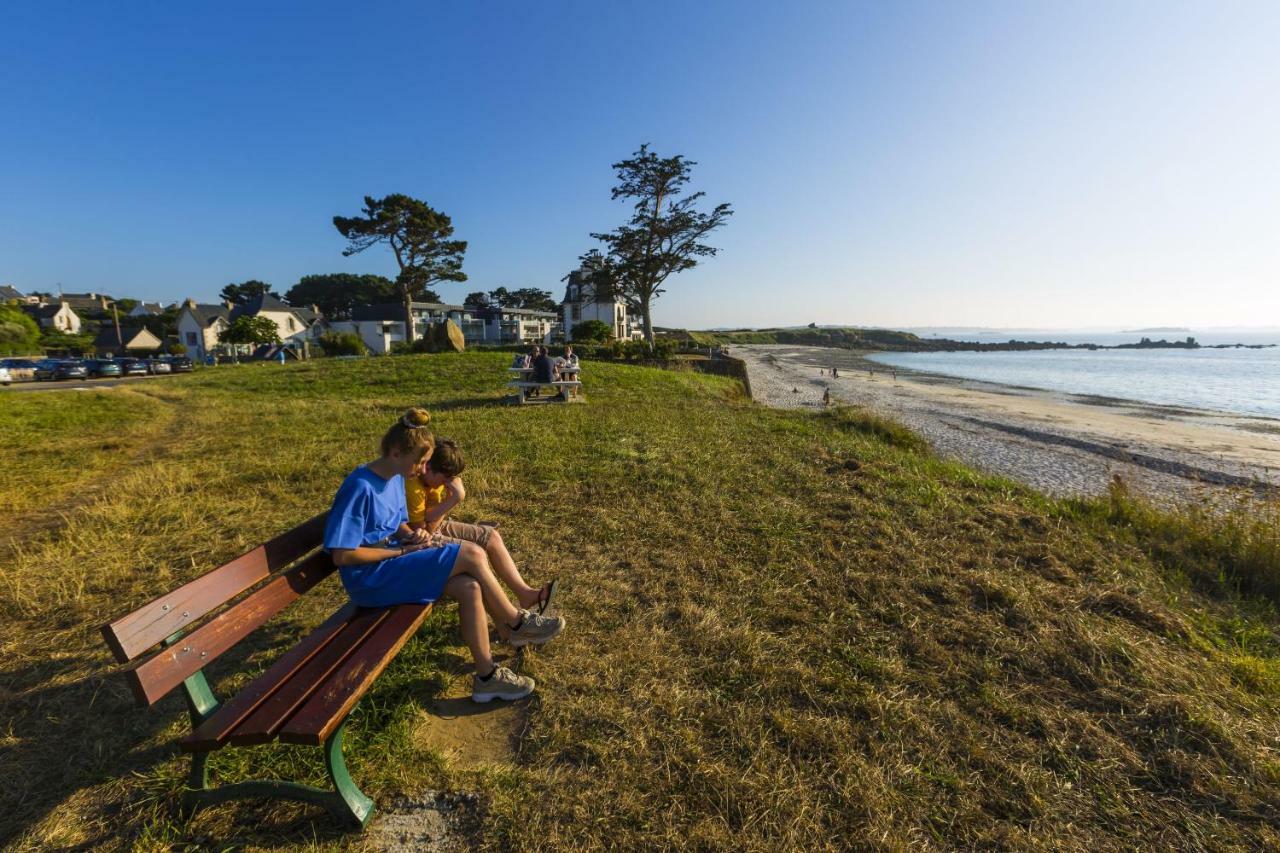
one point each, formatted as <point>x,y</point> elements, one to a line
<point>1062,444</point>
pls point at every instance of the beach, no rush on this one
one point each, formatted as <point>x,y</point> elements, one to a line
<point>1061,444</point>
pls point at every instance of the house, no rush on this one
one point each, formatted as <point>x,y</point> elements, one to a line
<point>199,327</point>
<point>505,326</point>
<point>147,309</point>
<point>294,325</point>
<point>582,302</point>
<point>59,316</point>
<point>130,340</point>
<point>88,304</point>
<point>380,326</point>
<point>12,294</point>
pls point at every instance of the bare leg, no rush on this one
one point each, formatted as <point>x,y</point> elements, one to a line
<point>505,568</point>
<point>473,562</point>
<point>475,627</point>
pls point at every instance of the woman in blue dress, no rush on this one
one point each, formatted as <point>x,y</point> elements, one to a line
<point>383,561</point>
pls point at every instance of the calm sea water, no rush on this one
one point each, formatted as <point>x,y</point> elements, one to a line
<point>1231,380</point>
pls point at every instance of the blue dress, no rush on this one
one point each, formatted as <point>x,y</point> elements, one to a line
<point>366,511</point>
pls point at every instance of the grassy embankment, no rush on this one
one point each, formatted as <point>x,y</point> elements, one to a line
<point>785,629</point>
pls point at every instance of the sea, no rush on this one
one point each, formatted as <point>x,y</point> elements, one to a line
<point>1241,381</point>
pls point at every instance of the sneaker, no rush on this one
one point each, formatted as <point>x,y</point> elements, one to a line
<point>503,684</point>
<point>535,630</point>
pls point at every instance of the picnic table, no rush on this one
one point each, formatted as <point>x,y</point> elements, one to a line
<point>567,386</point>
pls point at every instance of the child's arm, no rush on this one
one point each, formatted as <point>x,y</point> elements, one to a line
<point>455,493</point>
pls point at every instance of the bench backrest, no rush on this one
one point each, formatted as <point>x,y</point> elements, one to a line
<point>131,636</point>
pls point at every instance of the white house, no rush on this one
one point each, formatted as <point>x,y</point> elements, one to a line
<point>517,325</point>
<point>380,326</point>
<point>59,316</point>
<point>582,303</point>
<point>9,293</point>
<point>293,324</point>
<point>199,327</point>
<point>147,309</point>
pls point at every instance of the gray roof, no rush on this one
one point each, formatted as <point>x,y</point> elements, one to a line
<point>7,292</point>
<point>107,336</point>
<point>206,314</point>
<point>43,312</point>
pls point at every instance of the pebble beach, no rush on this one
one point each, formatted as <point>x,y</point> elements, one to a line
<point>1060,444</point>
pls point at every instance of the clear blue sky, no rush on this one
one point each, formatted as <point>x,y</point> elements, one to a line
<point>1016,164</point>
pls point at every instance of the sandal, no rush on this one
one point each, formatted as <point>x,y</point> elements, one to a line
<point>546,596</point>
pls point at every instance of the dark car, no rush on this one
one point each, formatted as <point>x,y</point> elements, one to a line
<point>45,369</point>
<point>132,366</point>
<point>179,363</point>
<point>103,367</point>
<point>71,370</point>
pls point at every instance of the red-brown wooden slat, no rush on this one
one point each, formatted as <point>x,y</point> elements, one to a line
<point>134,633</point>
<point>316,720</point>
<point>167,668</point>
<point>212,733</point>
<point>262,725</point>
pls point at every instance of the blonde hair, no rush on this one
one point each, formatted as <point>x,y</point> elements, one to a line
<point>410,433</point>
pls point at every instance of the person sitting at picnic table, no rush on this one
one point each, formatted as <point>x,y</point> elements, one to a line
<point>520,360</point>
<point>544,369</point>
<point>569,359</point>
<point>434,491</point>
<point>383,561</point>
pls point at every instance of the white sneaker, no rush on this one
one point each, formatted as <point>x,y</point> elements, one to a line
<point>503,684</point>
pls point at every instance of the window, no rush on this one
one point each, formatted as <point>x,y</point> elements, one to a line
<point>191,339</point>
<point>292,325</point>
<point>577,312</point>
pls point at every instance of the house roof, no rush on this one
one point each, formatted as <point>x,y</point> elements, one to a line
<point>153,307</point>
<point>46,311</point>
<point>577,280</point>
<point>206,314</point>
<point>134,337</point>
<point>7,293</point>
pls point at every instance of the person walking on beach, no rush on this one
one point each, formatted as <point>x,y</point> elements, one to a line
<point>826,396</point>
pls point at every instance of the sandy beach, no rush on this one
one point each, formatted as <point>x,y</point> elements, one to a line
<point>1062,444</point>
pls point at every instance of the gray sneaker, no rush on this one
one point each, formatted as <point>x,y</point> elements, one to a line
<point>535,630</point>
<point>503,684</point>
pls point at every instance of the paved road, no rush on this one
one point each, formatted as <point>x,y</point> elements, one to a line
<point>89,385</point>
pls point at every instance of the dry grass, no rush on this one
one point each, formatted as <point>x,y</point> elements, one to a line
<point>785,630</point>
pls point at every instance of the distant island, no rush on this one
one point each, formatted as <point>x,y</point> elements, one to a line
<point>846,337</point>
<point>1154,329</point>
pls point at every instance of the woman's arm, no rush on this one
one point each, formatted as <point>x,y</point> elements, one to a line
<point>366,554</point>
<point>456,494</point>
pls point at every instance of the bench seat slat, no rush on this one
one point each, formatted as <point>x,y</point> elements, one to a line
<point>166,669</point>
<point>262,725</point>
<point>134,633</point>
<point>212,733</point>
<point>316,720</point>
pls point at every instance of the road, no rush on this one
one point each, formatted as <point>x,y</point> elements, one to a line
<point>77,385</point>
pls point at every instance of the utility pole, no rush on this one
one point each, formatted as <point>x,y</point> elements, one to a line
<point>115,312</point>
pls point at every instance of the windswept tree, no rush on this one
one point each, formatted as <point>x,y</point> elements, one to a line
<point>663,237</point>
<point>245,291</point>
<point>418,236</point>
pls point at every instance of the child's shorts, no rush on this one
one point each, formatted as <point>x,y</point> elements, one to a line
<point>463,532</point>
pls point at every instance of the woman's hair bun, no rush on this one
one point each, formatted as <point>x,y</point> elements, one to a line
<point>415,418</point>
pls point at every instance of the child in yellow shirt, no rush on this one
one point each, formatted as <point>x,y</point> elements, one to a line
<point>433,493</point>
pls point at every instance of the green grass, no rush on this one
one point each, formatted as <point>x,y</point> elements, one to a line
<point>785,629</point>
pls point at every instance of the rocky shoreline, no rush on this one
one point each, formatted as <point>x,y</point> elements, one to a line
<point>1059,444</point>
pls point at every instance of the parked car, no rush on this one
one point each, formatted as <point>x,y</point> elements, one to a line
<point>103,367</point>
<point>179,363</point>
<point>45,368</point>
<point>71,369</point>
<point>132,366</point>
<point>5,378</point>
<point>20,369</point>
<point>158,365</point>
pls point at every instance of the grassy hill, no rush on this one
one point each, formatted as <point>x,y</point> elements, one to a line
<point>843,337</point>
<point>786,629</point>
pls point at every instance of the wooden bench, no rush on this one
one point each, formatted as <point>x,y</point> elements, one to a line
<point>303,698</point>
<point>562,387</point>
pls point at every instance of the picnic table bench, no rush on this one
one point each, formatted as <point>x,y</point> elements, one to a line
<point>303,698</point>
<point>522,381</point>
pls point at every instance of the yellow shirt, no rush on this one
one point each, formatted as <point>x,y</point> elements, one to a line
<point>421,499</point>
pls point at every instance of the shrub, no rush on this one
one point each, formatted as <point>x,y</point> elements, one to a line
<point>177,349</point>
<point>341,343</point>
<point>596,331</point>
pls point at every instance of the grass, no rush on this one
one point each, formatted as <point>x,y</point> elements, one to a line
<point>785,629</point>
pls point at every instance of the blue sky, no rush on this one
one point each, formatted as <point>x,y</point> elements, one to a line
<point>1012,164</point>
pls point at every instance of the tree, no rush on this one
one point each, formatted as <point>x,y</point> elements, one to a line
<point>592,331</point>
<point>476,299</point>
<point>124,306</point>
<point>418,236</point>
<point>335,294</point>
<point>534,299</point>
<point>246,291</point>
<point>250,330</point>
<point>19,334</point>
<point>664,235</point>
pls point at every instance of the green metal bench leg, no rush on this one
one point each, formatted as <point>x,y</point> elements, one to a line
<point>345,801</point>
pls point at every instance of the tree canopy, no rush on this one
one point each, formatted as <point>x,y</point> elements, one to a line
<point>246,291</point>
<point>335,294</point>
<point>664,235</point>
<point>526,297</point>
<point>19,334</point>
<point>250,330</point>
<point>419,238</point>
